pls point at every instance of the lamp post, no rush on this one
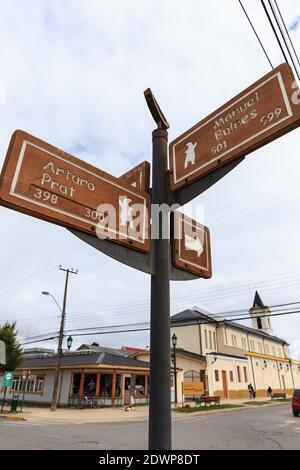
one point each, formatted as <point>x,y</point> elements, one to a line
<point>174,343</point>
<point>69,342</point>
<point>60,337</point>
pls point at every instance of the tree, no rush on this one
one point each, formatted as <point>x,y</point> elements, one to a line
<point>8,334</point>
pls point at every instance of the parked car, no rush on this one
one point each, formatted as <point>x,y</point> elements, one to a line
<point>296,402</point>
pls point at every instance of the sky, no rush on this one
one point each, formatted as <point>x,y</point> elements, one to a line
<point>73,74</point>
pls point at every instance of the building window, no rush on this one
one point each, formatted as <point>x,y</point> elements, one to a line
<point>205,335</point>
<point>252,347</point>
<point>210,341</point>
<point>279,352</point>
<point>31,385</point>
<point>267,349</point>
<point>231,375</point>
<point>140,386</point>
<point>244,343</point>
<point>106,385</point>
<point>216,375</point>
<point>260,347</point>
<point>245,374</point>
<point>215,344</point>
<point>259,324</point>
<point>239,373</point>
<point>273,350</point>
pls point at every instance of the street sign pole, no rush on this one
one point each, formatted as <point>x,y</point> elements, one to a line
<point>160,384</point>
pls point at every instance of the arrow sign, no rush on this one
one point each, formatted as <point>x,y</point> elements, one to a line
<point>191,246</point>
<point>263,112</point>
<point>43,181</point>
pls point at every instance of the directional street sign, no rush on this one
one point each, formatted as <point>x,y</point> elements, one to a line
<point>8,379</point>
<point>139,176</point>
<point>266,110</point>
<point>45,182</point>
<point>191,246</point>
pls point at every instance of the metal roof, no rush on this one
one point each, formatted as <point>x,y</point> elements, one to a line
<point>88,358</point>
<point>194,314</point>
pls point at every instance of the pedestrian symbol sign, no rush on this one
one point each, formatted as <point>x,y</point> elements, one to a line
<point>8,379</point>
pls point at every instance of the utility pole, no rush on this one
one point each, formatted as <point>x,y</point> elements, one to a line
<point>60,339</point>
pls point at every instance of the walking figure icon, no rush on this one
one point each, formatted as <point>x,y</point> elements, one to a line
<point>190,154</point>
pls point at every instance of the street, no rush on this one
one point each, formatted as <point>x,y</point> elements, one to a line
<point>268,428</point>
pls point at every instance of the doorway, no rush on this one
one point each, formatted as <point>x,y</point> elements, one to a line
<point>283,382</point>
<point>127,390</point>
<point>224,381</point>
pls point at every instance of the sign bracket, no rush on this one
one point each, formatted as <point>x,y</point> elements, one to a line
<point>187,193</point>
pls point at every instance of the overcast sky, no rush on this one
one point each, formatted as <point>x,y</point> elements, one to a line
<point>73,73</point>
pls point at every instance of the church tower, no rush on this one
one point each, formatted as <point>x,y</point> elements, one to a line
<point>258,314</point>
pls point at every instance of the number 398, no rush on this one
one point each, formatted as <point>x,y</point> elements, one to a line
<point>45,196</point>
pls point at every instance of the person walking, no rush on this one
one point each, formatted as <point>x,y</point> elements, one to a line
<point>252,392</point>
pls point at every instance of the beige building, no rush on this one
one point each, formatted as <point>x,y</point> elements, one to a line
<point>227,356</point>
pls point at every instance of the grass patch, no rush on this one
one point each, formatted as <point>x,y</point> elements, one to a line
<point>257,403</point>
<point>206,408</point>
<point>281,400</point>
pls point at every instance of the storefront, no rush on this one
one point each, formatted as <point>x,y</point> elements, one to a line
<point>114,378</point>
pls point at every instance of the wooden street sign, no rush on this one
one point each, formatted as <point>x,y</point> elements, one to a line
<point>191,246</point>
<point>45,182</point>
<point>192,388</point>
<point>263,112</point>
<point>139,176</point>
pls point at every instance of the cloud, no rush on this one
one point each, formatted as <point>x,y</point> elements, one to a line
<point>295,24</point>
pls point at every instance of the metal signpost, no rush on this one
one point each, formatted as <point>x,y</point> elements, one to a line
<point>43,181</point>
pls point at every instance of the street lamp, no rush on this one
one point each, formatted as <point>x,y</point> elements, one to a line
<point>48,293</point>
<point>174,343</point>
<point>69,342</point>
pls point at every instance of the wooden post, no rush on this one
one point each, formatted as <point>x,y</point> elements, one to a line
<point>113,389</point>
<point>81,384</point>
<point>146,385</point>
<point>98,384</point>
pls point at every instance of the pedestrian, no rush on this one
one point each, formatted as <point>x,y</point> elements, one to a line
<point>251,391</point>
<point>91,387</point>
<point>269,392</point>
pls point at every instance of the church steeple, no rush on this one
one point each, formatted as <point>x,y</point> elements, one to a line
<point>257,301</point>
<point>259,313</point>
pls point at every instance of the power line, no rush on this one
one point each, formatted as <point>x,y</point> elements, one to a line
<point>274,30</point>
<point>191,297</point>
<point>148,328</point>
<point>239,315</point>
<point>283,36</point>
<point>256,34</point>
<point>287,32</point>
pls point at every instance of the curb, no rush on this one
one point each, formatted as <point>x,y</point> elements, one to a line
<point>13,418</point>
<point>225,410</point>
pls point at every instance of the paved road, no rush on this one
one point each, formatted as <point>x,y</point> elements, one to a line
<point>264,428</point>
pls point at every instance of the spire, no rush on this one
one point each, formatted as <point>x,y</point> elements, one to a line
<point>257,301</point>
